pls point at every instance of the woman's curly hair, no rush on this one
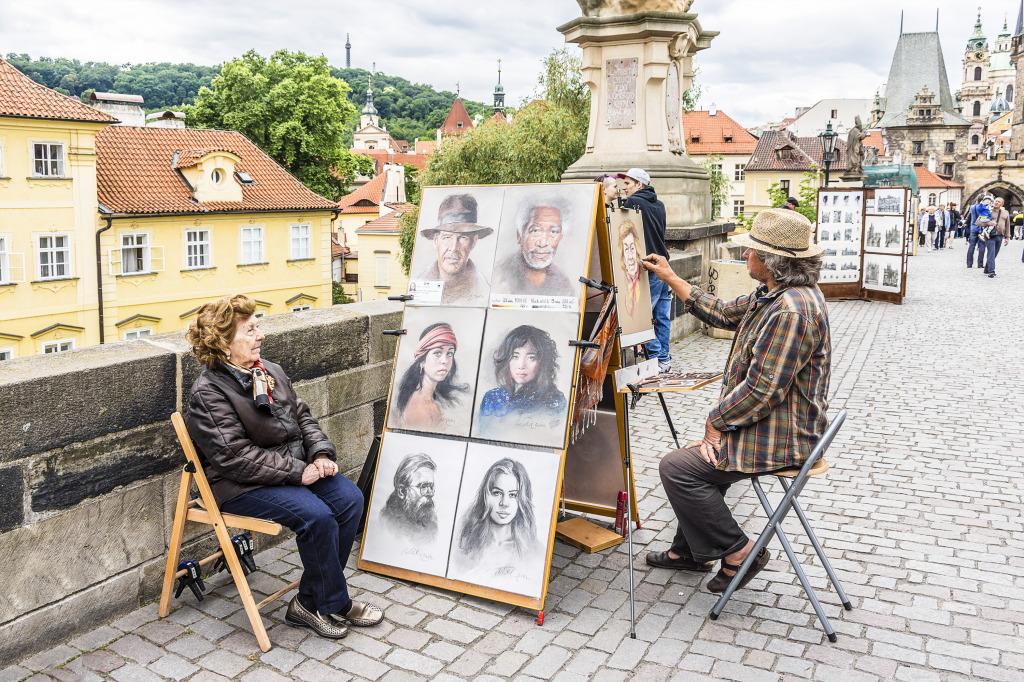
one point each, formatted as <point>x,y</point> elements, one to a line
<point>214,327</point>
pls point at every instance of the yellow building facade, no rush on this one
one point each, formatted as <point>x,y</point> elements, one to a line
<point>48,294</point>
<point>111,233</point>
<point>380,254</point>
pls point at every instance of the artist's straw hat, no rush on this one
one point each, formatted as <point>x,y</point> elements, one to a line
<point>457,214</point>
<point>782,232</point>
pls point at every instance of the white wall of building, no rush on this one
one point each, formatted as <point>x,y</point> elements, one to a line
<point>732,167</point>
<point>841,112</point>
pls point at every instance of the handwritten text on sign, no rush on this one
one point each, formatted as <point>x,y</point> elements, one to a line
<point>621,92</point>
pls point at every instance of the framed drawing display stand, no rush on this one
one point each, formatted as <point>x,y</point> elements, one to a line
<point>866,236</point>
<point>469,474</point>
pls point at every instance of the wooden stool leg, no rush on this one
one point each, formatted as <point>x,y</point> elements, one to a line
<point>243,587</point>
<point>174,547</point>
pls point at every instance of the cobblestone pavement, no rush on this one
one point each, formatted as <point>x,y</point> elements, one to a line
<point>921,515</point>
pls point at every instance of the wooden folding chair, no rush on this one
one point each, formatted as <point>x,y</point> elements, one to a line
<point>815,465</point>
<point>204,510</point>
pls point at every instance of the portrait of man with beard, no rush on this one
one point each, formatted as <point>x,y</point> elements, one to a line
<point>541,225</point>
<point>409,512</point>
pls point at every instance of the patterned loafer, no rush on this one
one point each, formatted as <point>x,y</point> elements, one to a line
<point>361,615</point>
<point>325,627</point>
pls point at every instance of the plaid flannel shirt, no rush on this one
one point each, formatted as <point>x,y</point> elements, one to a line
<point>775,390</point>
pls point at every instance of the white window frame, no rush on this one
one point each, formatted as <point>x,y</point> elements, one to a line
<point>58,346</point>
<point>142,332</point>
<point>243,241</point>
<point>300,308</point>
<point>932,199</point>
<point>295,241</point>
<point>203,259</point>
<point>382,262</point>
<point>739,172</point>
<point>152,256</point>
<point>737,207</point>
<point>48,159</point>
<point>6,354</point>
<point>53,250</point>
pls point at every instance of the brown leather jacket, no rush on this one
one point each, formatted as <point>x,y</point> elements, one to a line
<point>243,448</point>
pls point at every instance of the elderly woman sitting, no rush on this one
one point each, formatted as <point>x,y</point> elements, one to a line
<point>266,456</point>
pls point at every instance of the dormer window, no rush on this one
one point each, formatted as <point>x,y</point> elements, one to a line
<point>459,124</point>
<point>695,139</point>
<point>785,153</point>
<point>217,176</point>
<point>245,178</point>
<point>728,137</point>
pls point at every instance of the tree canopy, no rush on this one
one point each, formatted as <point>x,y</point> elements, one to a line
<point>293,108</point>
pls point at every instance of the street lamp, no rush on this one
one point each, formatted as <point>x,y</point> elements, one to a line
<point>828,147</point>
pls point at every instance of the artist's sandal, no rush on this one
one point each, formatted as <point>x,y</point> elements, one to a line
<point>361,615</point>
<point>663,560</point>
<point>721,581</point>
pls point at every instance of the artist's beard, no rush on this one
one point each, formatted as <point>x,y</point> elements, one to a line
<point>423,514</point>
<point>530,258</point>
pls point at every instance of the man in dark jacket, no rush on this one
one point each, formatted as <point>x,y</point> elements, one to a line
<point>640,195</point>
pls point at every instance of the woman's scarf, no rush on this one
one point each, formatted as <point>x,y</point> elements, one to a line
<point>257,378</point>
<point>441,335</point>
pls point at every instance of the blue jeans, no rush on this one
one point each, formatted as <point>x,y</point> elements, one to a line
<point>991,251</point>
<point>940,238</point>
<point>971,245</point>
<point>324,516</point>
<point>661,307</point>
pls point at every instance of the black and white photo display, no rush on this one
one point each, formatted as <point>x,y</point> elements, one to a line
<point>889,201</point>
<point>839,234</point>
<point>883,273</point>
<point>884,234</point>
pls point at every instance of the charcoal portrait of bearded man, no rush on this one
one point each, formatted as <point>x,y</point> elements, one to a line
<point>409,512</point>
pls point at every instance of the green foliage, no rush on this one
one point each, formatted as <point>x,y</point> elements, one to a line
<point>412,184</point>
<point>719,184</point>
<point>408,110</point>
<point>163,85</point>
<point>293,109</point>
<point>408,224</point>
<point>338,295</point>
<point>807,194</point>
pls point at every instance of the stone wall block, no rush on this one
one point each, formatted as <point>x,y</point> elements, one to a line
<point>93,392</point>
<point>12,497</point>
<point>359,386</point>
<point>351,432</point>
<point>63,620</point>
<point>88,544</point>
<point>62,478</point>
<point>315,394</point>
<point>383,315</point>
<point>730,251</point>
<point>315,343</point>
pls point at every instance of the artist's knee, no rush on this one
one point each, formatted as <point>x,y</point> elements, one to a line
<point>674,465</point>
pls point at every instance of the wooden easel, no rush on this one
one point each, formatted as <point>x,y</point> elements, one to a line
<point>204,510</point>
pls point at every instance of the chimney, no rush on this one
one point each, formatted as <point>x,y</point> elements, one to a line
<point>713,111</point>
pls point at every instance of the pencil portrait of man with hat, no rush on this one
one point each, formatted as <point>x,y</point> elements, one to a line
<point>454,236</point>
<point>771,409</point>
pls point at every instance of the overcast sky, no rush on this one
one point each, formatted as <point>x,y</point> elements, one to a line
<point>769,58</point>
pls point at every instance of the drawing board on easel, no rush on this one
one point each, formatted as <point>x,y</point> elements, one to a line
<point>470,468</point>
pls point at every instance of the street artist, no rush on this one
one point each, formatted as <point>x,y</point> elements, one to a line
<point>771,411</point>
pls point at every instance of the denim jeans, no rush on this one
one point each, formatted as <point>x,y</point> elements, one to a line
<point>991,251</point>
<point>940,238</point>
<point>324,516</point>
<point>705,528</point>
<point>971,245</point>
<point>661,308</point>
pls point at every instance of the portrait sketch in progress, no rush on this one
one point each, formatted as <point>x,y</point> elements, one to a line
<point>412,512</point>
<point>455,241</point>
<point>633,300</point>
<point>435,370</point>
<point>503,521</point>
<point>525,377</point>
<point>543,246</point>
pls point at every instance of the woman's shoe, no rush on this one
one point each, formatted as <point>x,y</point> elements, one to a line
<point>361,615</point>
<point>721,581</point>
<point>298,614</point>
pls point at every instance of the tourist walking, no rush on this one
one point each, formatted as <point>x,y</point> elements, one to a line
<point>941,225</point>
<point>1001,238</point>
<point>977,212</point>
<point>955,222</point>
<point>927,226</point>
<point>922,224</point>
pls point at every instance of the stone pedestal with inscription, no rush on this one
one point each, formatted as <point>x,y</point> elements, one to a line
<point>637,67</point>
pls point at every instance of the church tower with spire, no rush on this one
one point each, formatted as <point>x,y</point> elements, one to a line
<point>976,91</point>
<point>499,94</point>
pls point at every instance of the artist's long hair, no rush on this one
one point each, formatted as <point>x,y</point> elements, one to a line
<point>476,533</point>
<point>547,358</point>
<point>445,393</point>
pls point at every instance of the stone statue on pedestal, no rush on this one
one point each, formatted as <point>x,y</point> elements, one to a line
<point>618,8</point>
<point>855,150</point>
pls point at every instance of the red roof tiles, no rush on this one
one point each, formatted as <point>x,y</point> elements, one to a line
<point>712,133</point>
<point>190,157</point>
<point>874,139</point>
<point>804,151</point>
<point>134,173</point>
<point>366,199</point>
<point>22,97</point>
<point>456,115</point>
<point>382,156</point>
<point>385,223</point>
<point>928,179</point>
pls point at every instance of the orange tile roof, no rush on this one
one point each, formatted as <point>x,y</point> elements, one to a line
<point>498,117</point>
<point>382,156</point>
<point>712,131</point>
<point>874,139</point>
<point>190,157</point>
<point>806,150</point>
<point>373,192</point>
<point>134,173</point>
<point>386,223</point>
<point>426,146</point>
<point>456,115</point>
<point>926,178</point>
<point>22,97</point>
<point>337,250</point>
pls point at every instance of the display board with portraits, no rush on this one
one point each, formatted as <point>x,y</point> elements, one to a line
<point>470,467</point>
<point>865,240</point>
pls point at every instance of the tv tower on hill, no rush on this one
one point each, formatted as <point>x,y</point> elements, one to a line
<point>348,52</point>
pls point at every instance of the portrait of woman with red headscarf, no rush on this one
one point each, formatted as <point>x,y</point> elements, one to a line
<point>429,387</point>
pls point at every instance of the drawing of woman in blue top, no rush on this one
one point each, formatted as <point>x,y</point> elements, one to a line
<point>525,366</point>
